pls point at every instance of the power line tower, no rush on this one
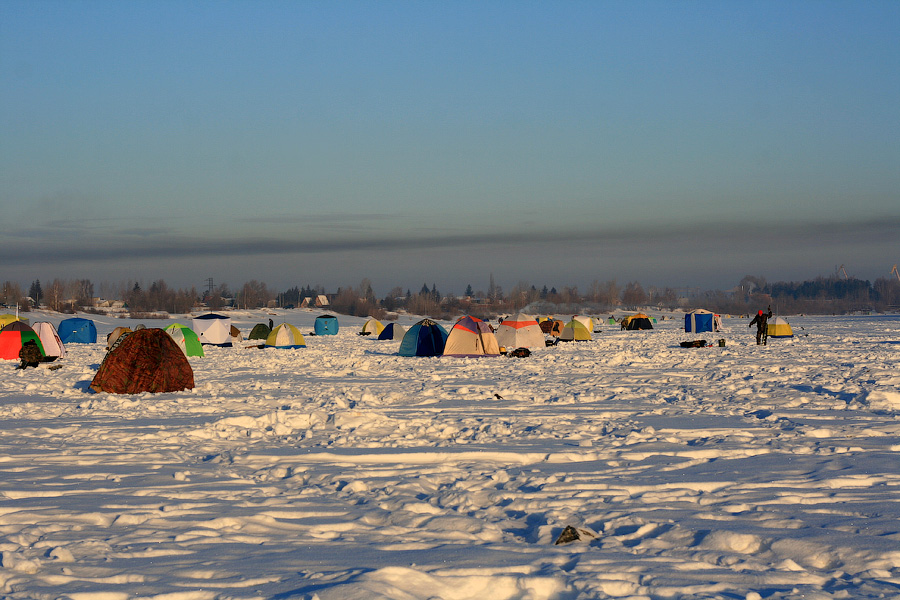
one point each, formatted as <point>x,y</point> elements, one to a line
<point>209,286</point>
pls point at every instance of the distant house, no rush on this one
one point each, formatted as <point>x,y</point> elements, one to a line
<point>305,303</point>
<point>322,301</point>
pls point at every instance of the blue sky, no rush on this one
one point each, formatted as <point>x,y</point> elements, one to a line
<point>680,144</point>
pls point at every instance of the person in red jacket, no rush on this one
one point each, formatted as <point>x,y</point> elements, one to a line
<point>761,321</point>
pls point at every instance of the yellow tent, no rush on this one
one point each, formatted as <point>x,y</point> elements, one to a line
<point>8,318</point>
<point>638,321</point>
<point>372,327</point>
<point>286,336</point>
<point>575,331</point>
<point>779,328</point>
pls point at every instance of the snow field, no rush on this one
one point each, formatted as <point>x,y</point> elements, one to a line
<point>344,471</point>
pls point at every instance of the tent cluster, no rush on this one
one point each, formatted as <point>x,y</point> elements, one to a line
<point>153,360</point>
<point>15,333</point>
<point>391,331</point>
<point>471,337</point>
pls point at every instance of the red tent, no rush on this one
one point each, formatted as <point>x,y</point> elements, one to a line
<point>13,336</point>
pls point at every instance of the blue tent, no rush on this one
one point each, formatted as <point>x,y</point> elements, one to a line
<point>77,330</point>
<point>425,338</point>
<point>698,321</point>
<point>392,331</point>
<point>326,325</point>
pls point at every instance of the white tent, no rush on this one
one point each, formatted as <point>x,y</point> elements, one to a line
<point>213,329</point>
<point>520,331</point>
<point>471,337</point>
<point>53,346</point>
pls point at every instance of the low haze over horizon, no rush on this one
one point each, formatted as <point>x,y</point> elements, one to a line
<point>554,143</point>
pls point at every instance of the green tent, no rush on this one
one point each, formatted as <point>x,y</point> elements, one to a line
<point>186,339</point>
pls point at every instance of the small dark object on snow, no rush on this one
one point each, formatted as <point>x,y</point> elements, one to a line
<point>570,534</point>
<point>30,355</point>
<point>520,352</point>
<point>498,396</point>
<point>552,342</point>
<point>694,344</point>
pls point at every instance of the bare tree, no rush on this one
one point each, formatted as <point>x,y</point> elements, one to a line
<point>634,295</point>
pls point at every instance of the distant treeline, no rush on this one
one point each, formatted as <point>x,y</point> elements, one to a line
<point>823,295</point>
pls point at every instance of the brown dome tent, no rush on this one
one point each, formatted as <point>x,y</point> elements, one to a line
<point>147,360</point>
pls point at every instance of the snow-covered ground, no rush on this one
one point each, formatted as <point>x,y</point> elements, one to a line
<point>343,471</point>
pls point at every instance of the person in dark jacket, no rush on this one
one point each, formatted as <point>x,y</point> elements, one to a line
<point>30,355</point>
<point>761,320</point>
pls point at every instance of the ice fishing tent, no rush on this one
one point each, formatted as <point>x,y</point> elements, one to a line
<point>699,320</point>
<point>186,339</point>
<point>425,338</point>
<point>575,331</point>
<point>392,331</point>
<point>213,329</point>
<point>53,346</point>
<point>13,336</point>
<point>551,326</point>
<point>586,321</point>
<point>260,331</point>
<point>147,360</point>
<point>114,335</point>
<point>285,336</point>
<point>371,327</point>
<point>471,337</point>
<point>779,328</point>
<point>326,325</point>
<point>520,331</point>
<point>7,318</point>
<point>636,322</point>
<point>236,336</point>
<point>77,330</point>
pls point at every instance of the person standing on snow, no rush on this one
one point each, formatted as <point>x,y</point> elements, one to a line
<point>761,320</point>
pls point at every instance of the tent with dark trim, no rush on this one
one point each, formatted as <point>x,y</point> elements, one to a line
<point>326,325</point>
<point>636,322</point>
<point>425,338</point>
<point>392,331</point>
<point>213,329</point>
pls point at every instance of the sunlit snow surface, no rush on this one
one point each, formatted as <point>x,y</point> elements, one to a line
<point>344,471</point>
